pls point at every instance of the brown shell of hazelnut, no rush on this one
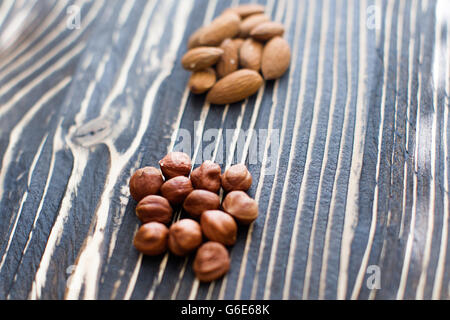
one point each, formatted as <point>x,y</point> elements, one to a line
<point>236,178</point>
<point>152,239</point>
<point>175,164</point>
<point>211,262</point>
<point>184,237</point>
<point>177,189</point>
<point>154,209</point>
<point>243,208</point>
<point>219,226</point>
<point>144,182</point>
<point>207,177</point>
<point>199,201</point>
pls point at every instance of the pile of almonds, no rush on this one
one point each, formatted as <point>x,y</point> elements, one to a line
<point>197,192</point>
<point>234,48</point>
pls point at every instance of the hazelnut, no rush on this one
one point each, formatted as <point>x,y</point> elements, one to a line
<point>211,262</point>
<point>207,176</point>
<point>145,182</point>
<point>199,201</point>
<point>151,238</point>
<point>184,237</point>
<point>177,189</point>
<point>219,226</point>
<point>175,164</point>
<point>243,208</point>
<point>236,178</point>
<point>154,209</point>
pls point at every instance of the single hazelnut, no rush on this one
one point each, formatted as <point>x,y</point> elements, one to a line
<point>175,164</point>
<point>177,189</point>
<point>211,262</point>
<point>219,226</point>
<point>236,178</point>
<point>145,182</point>
<point>207,177</point>
<point>151,239</point>
<point>184,237</point>
<point>243,208</point>
<point>199,201</point>
<point>154,209</point>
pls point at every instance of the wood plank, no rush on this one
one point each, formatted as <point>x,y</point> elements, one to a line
<point>356,174</point>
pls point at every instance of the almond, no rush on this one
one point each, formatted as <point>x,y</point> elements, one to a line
<point>250,23</point>
<point>235,87</point>
<point>229,62</point>
<point>250,54</point>
<point>203,80</point>
<point>276,58</point>
<point>201,58</point>
<point>267,30</point>
<point>246,10</point>
<point>194,40</point>
<point>225,26</point>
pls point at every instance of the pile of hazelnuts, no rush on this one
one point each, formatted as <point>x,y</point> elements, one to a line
<point>159,194</point>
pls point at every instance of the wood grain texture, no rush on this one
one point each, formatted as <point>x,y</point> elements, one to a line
<point>362,170</point>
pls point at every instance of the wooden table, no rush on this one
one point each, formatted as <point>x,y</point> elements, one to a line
<point>353,187</point>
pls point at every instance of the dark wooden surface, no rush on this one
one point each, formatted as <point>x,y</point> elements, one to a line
<point>361,175</point>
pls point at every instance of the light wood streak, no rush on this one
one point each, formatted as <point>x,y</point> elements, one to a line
<point>351,210</point>
<point>17,24</point>
<point>409,244</point>
<point>5,9</point>
<point>373,223</point>
<point>420,292</point>
<point>384,247</point>
<point>440,270</point>
<point>326,150</point>
<point>326,253</point>
<point>412,42</point>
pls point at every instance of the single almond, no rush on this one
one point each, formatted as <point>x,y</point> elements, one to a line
<point>194,39</point>
<point>276,58</point>
<point>229,61</point>
<point>246,10</point>
<point>224,26</point>
<point>235,87</point>
<point>203,80</point>
<point>267,30</point>
<point>248,24</point>
<point>201,58</point>
<point>250,54</point>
